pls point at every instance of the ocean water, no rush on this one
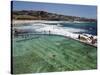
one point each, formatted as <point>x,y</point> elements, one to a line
<point>89,28</point>
<point>77,28</point>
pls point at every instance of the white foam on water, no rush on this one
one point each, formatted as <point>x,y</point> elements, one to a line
<point>56,28</point>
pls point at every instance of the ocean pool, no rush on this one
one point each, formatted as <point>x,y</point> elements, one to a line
<point>50,53</point>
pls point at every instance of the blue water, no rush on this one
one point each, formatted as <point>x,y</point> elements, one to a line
<point>90,28</point>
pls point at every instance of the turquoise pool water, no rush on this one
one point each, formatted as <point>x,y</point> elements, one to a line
<point>49,53</point>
